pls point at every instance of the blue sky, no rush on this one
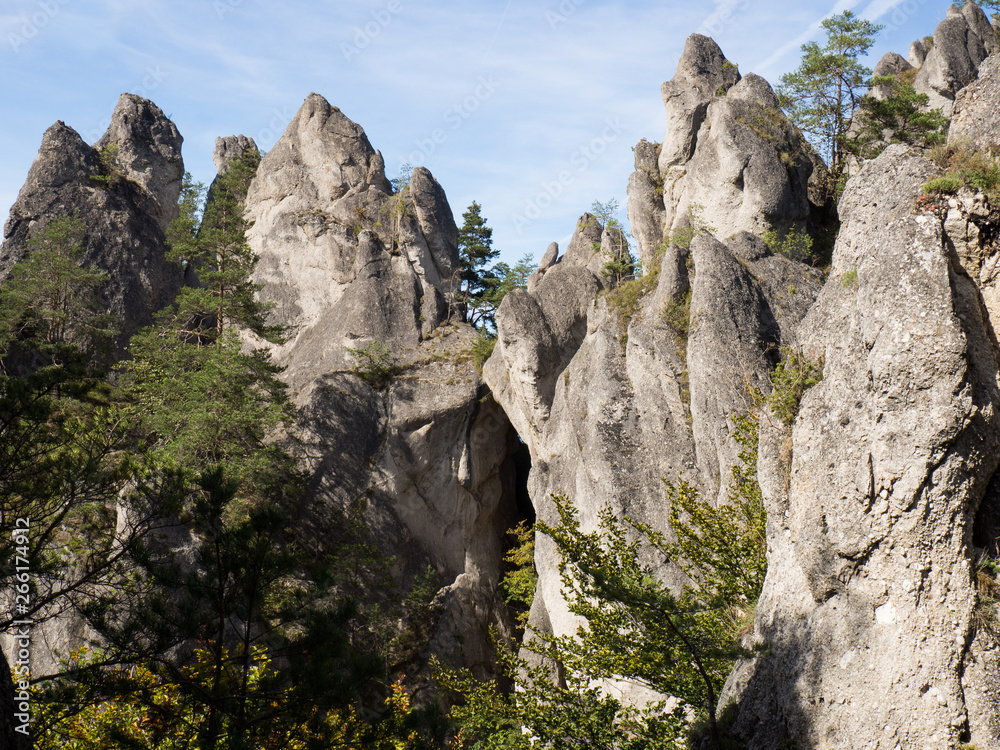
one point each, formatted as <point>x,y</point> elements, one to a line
<point>530,108</point>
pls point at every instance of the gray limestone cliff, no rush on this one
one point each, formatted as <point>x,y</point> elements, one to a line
<point>869,606</point>
<point>125,218</point>
<point>347,264</point>
<point>611,398</point>
<point>960,43</point>
<point>729,160</point>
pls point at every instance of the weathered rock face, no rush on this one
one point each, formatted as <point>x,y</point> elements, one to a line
<point>124,220</point>
<point>149,152</point>
<point>961,42</point>
<point>609,405</point>
<point>730,160</point>
<point>891,64</point>
<point>974,122</point>
<point>347,262</point>
<point>868,604</point>
<point>229,149</point>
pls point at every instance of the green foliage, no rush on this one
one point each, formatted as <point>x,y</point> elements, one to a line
<point>620,265</point>
<point>475,250</point>
<point>202,405</point>
<point>482,348</point>
<point>497,283</point>
<point>682,237</point>
<point>625,298</point>
<point>677,315</point>
<point>850,278</point>
<point>677,643</point>
<point>49,303</point>
<point>793,376</point>
<point>215,250</point>
<point>986,617</point>
<point>109,169</point>
<point>900,117</point>
<point>518,583</point>
<point>402,181</point>
<point>793,243</point>
<point>965,167</point>
<point>823,94</point>
<point>375,364</point>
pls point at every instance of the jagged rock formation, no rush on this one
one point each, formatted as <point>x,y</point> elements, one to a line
<point>610,398</point>
<point>347,262</point>
<point>960,43</point>
<point>125,217</point>
<point>868,605</point>
<point>730,160</point>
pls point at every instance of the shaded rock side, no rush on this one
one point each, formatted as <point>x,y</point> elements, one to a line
<point>611,400</point>
<point>124,218</point>
<point>347,263</point>
<point>868,606</point>
<point>974,122</point>
<point>730,160</point>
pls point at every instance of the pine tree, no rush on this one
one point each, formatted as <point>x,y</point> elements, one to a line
<point>475,249</point>
<point>823,94</point>
<point>900,116</point>
<point>200,396</point>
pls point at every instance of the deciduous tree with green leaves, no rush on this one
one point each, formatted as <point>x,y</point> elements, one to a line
<point>824,93</point>
<point>678,643</point>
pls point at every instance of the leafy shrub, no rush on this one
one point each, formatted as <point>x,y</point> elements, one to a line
<point>794,244</point>
<point>634,627</point>
<point>375,364</point>
<point>683,236</point>
<point>850,278</point>
<point>481,350</point>
<point>793,376</point>
<point>965,167</point>
<point>518,583</point>
<point>109,169</point>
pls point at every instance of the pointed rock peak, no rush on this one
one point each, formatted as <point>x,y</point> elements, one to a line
<point>585,242</point>
<point>437,221</point>
<point>549,259</point>
<point>333,150</point>
<point>703,66</point>
<point>63,156</point>
<point>148,151</point>
<point>231,148</point>
<point>980,25</point>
